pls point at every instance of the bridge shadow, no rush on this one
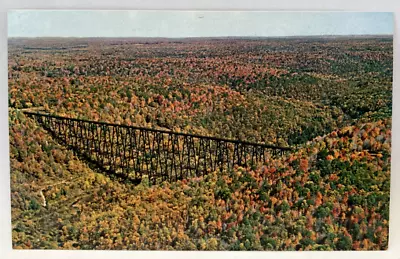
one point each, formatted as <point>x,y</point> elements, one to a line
<point>94,165</point>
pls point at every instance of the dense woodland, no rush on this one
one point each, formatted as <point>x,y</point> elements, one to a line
<point>328,98</point>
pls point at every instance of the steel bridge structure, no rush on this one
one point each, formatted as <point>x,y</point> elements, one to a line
<point>131,152</point>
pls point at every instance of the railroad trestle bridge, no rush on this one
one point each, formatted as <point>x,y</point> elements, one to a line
<point>131,152</point>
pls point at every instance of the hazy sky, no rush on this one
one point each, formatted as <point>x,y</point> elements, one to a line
<point>35,23</point>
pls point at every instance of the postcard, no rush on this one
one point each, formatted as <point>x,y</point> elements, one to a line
<point>200,130</point>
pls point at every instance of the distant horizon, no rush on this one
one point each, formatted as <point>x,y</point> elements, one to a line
<point>200,37</point>
<point>194,24</point>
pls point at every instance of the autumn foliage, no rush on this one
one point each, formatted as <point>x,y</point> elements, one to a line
<point>328,98</point>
